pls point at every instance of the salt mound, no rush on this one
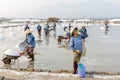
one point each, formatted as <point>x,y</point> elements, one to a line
<point>2,38</point>
<point>11,52</point>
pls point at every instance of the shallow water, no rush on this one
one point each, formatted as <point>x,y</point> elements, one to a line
<point>102,50</point>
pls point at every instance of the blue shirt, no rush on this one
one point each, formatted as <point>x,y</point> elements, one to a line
<point>31,40</point>
<point>38,27</point>
<point>47,27</point>
<point>76,42</point>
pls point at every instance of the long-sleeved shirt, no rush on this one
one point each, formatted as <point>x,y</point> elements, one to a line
<point>39,27</point>
<point>31,40</point>
<point>47,28</point>
<point>76,42</point>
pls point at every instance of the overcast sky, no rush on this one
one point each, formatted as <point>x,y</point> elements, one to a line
<point>59,8</point>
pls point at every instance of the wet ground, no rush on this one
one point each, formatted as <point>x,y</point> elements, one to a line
<point>102,50</point>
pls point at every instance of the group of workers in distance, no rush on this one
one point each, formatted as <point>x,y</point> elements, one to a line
<point>75,36</point>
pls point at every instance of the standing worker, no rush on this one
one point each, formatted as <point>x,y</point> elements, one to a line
<point>106,22</point>
<point>69,26</point>
<point>26,27</point>
<point>54,26</point>
<point>39,28</point>
<point>47,29</point>
<point>31,44</point>
<point>76,46</point>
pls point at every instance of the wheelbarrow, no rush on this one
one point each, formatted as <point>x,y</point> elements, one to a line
<point>10,55</point>
<point>22,47</point>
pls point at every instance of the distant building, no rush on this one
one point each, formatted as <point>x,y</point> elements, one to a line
<point>53,19</point>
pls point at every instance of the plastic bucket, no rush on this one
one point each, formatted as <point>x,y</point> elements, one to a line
<point>81,70</point>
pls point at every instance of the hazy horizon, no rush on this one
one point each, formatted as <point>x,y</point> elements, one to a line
<point>59,8</point>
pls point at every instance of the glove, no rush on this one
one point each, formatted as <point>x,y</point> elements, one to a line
<point>80,30</point>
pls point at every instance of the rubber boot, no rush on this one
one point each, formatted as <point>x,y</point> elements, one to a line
<point>32,56</point>
<point>29,55</point>
<point>75,66</point>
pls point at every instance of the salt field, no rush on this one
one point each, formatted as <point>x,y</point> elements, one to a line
<point>102,49</point>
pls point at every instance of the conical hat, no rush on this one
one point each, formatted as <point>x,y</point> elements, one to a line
<point>28,31</point>
<point>72,29</point>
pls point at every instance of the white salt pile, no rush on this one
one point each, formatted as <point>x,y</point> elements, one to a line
<point>11,52</point>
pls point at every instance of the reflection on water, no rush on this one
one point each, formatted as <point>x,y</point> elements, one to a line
<point>46,38</point>
<point>39,42</point>
<point>65,47</point>
<point>54,34</point>
<point>102,52</point>
<point>106,29</point>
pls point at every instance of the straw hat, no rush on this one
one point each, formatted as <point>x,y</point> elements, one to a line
<point>28,31</point>
<point>72,29</point>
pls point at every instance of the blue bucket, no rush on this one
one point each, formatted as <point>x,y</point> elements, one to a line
<point>81,70</point>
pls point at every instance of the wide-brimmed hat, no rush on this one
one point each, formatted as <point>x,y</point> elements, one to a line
<point>28,31</point>
<point>72,29</point>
